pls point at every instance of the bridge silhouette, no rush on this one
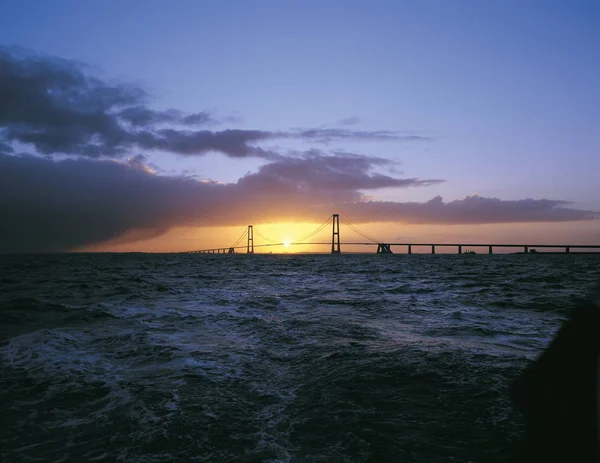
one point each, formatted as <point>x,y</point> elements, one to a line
<point>382,247</point>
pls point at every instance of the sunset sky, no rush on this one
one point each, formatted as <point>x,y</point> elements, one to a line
<point>170,126</point>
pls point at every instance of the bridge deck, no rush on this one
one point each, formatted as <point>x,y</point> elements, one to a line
<point>382,247</point>
<point>566,247</point>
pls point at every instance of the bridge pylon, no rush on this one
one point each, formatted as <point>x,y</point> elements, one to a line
<point>335,236</point>
<point>250,245</point>
<point>383,248</point>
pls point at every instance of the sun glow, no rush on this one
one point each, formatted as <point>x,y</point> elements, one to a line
<point>286,243</point>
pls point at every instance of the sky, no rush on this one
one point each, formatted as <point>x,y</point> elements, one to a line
<point>160,126</point>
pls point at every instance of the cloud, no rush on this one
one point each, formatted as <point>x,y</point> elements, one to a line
<point>473,210</point>
<point>232,142</point>
<point>58,107</point>
<point>54,105</point>
<point>5,148</point>
<point>339,177</point>
<point>140,162</point>
<point>349,121</point>
<point>202,118</point>
<point>325,135</point>
<point>140,116</point>
<point>54,206</point>
<point>243,143</point>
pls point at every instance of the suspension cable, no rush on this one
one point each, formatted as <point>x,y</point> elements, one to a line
<point>363,234</point>
<point>264,237</point>
<point>310,235</point>
<point>314,232</point>
<point>239,239</point>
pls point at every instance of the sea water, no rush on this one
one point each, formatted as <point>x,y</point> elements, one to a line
<point>288,358</point>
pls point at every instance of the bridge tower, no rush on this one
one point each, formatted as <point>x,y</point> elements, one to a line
<point>335,236</point>
<point>250,246</point>
<point>383,248</point>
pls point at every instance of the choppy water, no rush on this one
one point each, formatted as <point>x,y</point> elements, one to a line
<point>158,358</point>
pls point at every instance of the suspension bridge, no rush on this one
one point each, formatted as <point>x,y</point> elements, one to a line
<point>382,247</point>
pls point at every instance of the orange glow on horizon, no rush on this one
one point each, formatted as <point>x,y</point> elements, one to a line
<point>183,239</point>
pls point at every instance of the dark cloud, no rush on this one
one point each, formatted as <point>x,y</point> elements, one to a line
<point>339,177</point>
<point>140,116</point>
<point>59,108</point>
<point>349,121</point>
<point>474,210</point>
<point>242,143</point>
<point>56,106</point>
<point>234,143</point>
<point>140,162</point>
<point>53,206</point>
<point>202,118</point>
<point>5,148</point>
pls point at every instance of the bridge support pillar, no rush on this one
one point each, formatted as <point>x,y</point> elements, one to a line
<point>250,245</point>
<point>491,251</point>
<point>384,249</point>
<point>526,249</point>
<point>460,249</point>
<point>231,251</point>
<point>433,249</point>
<point>567,249</point>
<point>335,235</point>
<point>410,248</point>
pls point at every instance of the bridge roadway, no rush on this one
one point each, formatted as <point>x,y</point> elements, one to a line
<point>526,247</point>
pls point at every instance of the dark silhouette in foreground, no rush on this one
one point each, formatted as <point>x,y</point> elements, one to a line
<point>558,394</point>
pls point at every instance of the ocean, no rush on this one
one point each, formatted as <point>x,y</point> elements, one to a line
<point>273,358</point>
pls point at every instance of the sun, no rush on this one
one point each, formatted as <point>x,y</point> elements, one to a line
<point>286,243</point>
